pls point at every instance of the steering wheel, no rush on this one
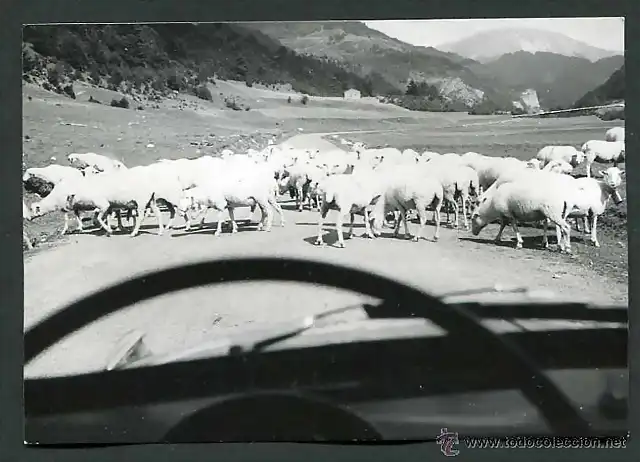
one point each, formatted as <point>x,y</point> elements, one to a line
<point>554,406</point>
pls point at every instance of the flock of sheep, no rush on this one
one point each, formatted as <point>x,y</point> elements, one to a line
<point>378,183</point>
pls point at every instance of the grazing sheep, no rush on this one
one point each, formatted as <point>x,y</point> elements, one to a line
<point>567,154</point>
<point>458,181</point>
<point>41,180</point>
<point>57,201</point>
<point>524,201</point>
<point>604,152</point>
<point>534,163</point>
<point>357,192</point>
<point>302,180</point>
<point>98,161</point>
<point>558,166</point>
<point>489,169</point>
<point>404,190</point>
<point>615,134</point>
<point>592,197</point>
<point>131,189</point>
<point>235,188</point>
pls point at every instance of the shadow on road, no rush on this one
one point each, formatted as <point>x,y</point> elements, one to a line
<point>528,242</point>
<point>210,228</point>
<point>329,225</point>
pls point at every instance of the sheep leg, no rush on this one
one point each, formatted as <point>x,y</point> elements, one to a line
<point>436,212</point>
<point>586,225</point>
<point>220,220</point>
<point>203,216</point>
<point>267,216</point>
<point>558,236</point>
<point>172,215</point>
<point>323,215</point>
<point>79,220</point>
<point>397,217</point>
<point>454,204</point>
<point>594,237</point>
<point>407,233</point>
<point>351,223</point>
<point>422,216</point>
<point>142,212</point>
<point>274,203</point>
<point>319,202</point>
<point>588,169</point>
<point>119,218</point>
<point>498,238</point>
<point>545,237</point>
<point>299,197</point>
<point>367,225</point>
<point>234,225</point>
<point>339,223</point>
<point>565,230</point>
<point>65,228</point>
<point>514,225</point>
<point>102,214</point>
<point>156,210</point>
<point>464,213</point>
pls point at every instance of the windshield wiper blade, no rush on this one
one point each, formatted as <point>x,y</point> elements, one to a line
<point>498,288</point>
<point>301,326</point>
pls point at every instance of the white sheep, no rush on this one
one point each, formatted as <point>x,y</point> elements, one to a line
<point>615,134</point>
<point>410,155</point>
<point>534,163</point>
<point>301,181</point>
<point>41,180</point>
<point>558,166</point>
<point>458,181</point>
<point>136,188</point>
<point>235,188</point>
<point>489,169</point>
<point>428,155</point>
<point>406,189</point>
<point>592,196</point>
<point>57,201</point>
<point>603,152</point>
<point>349,193</point>
<point>567,154</point>
<point>524,201</point>
<point>98,161</point>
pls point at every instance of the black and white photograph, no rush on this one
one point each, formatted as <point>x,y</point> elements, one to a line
<point>334,231</point>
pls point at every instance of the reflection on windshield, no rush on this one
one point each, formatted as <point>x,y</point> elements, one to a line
<point>178,321</point>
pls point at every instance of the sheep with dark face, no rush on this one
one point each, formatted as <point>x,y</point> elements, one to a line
<point>615,134</point>
<point>41,180</point>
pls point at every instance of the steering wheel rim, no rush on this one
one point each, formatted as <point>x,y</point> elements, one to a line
<point>535,385</point>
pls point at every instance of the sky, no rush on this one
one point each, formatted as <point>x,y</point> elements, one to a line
<point>607,33</point>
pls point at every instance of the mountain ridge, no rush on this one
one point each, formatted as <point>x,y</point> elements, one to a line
<point>490,45</point>
<point>559,80</point>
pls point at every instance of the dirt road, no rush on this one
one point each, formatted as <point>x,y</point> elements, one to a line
<point>88,262</point>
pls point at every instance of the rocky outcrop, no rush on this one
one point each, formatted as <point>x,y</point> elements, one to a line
<point>528,101</point>
<point>454,89</point>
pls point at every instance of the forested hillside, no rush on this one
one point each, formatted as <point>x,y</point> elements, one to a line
<point>156,59</point>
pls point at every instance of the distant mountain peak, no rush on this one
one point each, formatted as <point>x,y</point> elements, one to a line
<point>490,45</point>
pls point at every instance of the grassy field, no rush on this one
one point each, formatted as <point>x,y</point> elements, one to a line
<point>54,126</point>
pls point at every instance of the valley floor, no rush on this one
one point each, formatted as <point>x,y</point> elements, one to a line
<point>65,269</point>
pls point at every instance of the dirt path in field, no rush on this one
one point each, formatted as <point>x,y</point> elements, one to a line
<point>86,263</point>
